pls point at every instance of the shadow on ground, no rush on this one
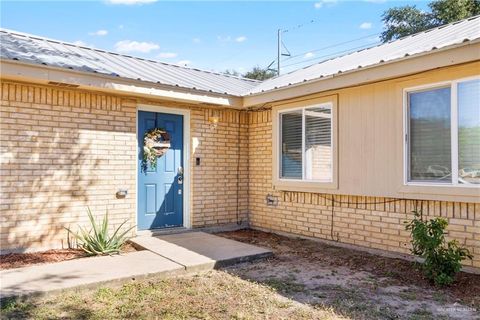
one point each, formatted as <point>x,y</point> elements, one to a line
<point>23,308</point>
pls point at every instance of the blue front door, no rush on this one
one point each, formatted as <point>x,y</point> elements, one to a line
<point>160,190</point>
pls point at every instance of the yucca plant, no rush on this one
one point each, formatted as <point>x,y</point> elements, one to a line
<point>97,240</point>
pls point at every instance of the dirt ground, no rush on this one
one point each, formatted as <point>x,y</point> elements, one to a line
<point>354,283</point>
<point>17,260</point>
<point>303,280</point>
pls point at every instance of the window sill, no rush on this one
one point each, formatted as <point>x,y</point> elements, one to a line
<point>458,193</point>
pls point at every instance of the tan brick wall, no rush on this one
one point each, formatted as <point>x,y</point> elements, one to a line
<point>378,226</point>
<point>223,169</point>
<point>63,150</point>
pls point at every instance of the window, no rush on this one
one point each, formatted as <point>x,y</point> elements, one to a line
<point>306,145</point>
<point>469,132</point>
<point>430,135</point>
<point>443,134</point>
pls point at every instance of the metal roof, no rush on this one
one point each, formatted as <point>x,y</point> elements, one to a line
<point>38,50</point>
<point>441,37</point>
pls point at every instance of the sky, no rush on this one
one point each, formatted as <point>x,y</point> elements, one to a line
<point>214,35</point>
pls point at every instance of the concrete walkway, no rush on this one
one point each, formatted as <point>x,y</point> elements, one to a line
<point>85,272</point>
<point>164,256</point>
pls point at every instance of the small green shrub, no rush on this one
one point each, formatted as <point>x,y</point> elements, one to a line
<point>97,241</point>
<point>442,259</point>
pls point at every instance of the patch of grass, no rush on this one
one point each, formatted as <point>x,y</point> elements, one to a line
<point>439,297</point>
<point>286,285</point>
<point>408,295</point>
<point>353,303</point>
<point>392,274</point>
<point>371,283</point>
<point>283,304</point>
<point>214,295</point>
<point>17,308</point>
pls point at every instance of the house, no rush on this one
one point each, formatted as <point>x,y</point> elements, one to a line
<point>342,150</point>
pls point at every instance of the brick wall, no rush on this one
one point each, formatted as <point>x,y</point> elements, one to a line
<point>223,169</point>
<point>65,149</point>
<point>378,226</point>
<point>62,150</point>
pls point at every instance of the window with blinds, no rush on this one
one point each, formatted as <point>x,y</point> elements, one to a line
<point>291,166</point>
<point>469,132</point>
<point>430,140</point>
<point>306,143</point>
<point>443,137</point>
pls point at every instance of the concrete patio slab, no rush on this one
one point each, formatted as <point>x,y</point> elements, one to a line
<point>201,251</point>
<point>85,272</point>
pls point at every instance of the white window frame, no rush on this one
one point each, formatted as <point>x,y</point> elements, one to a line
<point>453,84</point>
<point>326,105</point>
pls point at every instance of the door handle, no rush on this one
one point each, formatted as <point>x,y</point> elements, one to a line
<point>180,175</point>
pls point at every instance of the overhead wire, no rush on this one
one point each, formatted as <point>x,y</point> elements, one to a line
<point>333,45</point>
<point>298,26</point>
<point>333,54</point>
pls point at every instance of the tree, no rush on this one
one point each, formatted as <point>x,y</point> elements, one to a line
<point>403,21</point>
<point>258,73</point>
<point>232,72</point>
<point>446,11</point>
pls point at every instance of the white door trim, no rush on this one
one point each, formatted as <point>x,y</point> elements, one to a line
<point>186,158</point>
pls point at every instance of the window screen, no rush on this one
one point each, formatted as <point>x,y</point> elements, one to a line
<point>318,143</point>
<point>469,132</point>
<point>306,144</point>
<point>291,141</point>
<point>430,136</point>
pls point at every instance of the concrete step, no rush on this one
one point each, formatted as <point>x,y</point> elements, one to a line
<point>201,251</point>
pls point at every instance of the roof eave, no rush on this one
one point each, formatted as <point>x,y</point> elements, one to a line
<point>252,99</point>
<point>31,72</point>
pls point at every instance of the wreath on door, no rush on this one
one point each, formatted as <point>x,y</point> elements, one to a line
<point>156,143</point>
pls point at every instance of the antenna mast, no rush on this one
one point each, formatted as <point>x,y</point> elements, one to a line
<point>279,49</point>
